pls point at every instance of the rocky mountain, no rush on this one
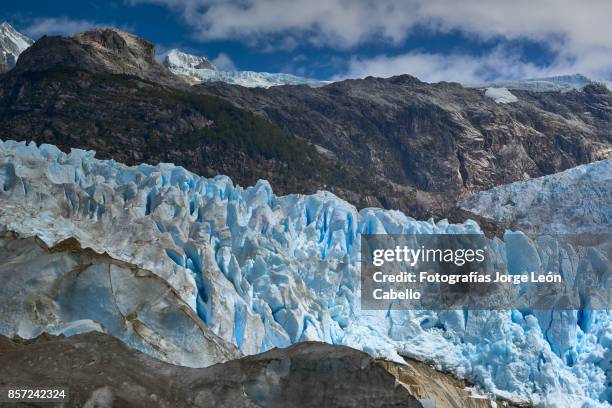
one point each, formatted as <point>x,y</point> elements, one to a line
<point>262,270</point>
<point>152,252</point>
<point>103,90</point>
<point>109,51</point>
<point>437,143</point>
<point>342,377</point>
<point>12,44</point>
<point>199,69</point>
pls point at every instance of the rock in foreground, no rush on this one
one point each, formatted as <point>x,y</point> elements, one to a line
<point>101,371</point>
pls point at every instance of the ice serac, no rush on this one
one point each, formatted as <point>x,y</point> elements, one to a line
<point>264,271</point>
<point>12,44</point>
<point>199,69</point>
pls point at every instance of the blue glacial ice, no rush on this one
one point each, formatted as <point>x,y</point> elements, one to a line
<point>265,271</point>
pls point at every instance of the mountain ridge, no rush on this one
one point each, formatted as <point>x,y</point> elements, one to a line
<point>131,373</point>
<point>438,142</point>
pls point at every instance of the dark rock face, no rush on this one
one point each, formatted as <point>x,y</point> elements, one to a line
<point>103,90</point>
<point>442,140</point>
<point>101,50</point>
<point>133,120</point>
<point>103,372</point>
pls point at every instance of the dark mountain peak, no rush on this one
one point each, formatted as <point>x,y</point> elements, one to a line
<point>105,50</point>
<point>118,43</point>
<point>50,51</point>
<point>403,79</point>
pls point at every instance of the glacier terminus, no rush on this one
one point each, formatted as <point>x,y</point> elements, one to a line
<point>261,271</point>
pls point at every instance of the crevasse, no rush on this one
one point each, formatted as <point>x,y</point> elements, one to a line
<point>264,271</point>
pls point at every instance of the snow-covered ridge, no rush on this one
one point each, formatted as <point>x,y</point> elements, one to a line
<point>12,44</point>
<point>176,59</point>
<point>546,84</point>
<point>264,271</point>
<point>200,69</point>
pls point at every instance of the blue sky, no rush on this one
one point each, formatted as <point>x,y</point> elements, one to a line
<point>469,41</point>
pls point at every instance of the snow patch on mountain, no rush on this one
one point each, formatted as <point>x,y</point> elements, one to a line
<point>500,95</point>
<point>12,44</point>
<point>199,69</point>
<point>265,271</point>
<point>176,59</point>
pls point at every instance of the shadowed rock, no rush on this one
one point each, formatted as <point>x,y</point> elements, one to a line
<point>101,371</point>
<point>106,50</point>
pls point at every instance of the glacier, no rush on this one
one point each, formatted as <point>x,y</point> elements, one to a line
<point>264,271</point>
<point>70,290</point>
<point>574,201</point>
<point>500,95</point>
<point>198,69</point>
<point>560,83</point>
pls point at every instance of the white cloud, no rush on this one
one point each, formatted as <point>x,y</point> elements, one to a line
<point>59,26</point>
<point>343,23</point>
<point>224,62</point>
<point>161,51</point>
<point>466,69</point>
<point>501,64</point>
<point>579,33</point>
<point>340,23</point>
